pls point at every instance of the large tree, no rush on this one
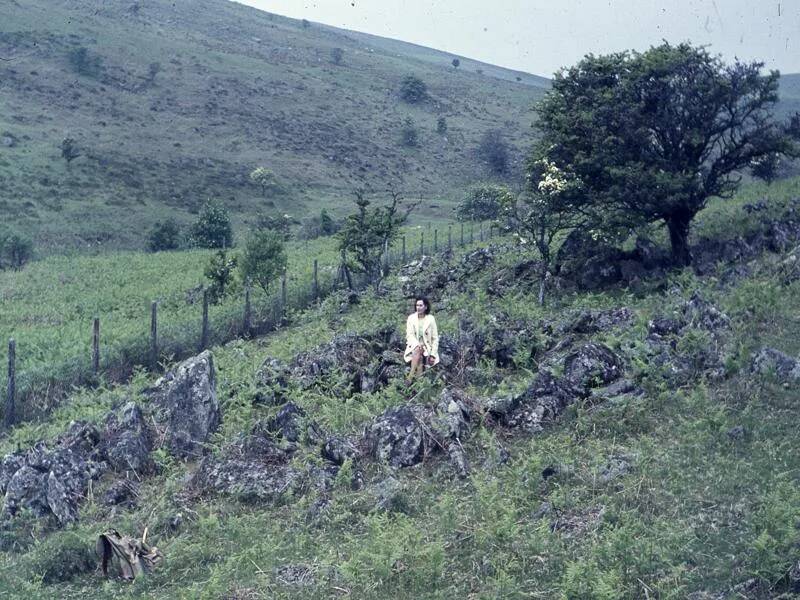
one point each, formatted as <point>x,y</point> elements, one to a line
<point>652,136</point>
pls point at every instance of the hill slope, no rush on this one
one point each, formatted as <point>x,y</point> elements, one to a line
<point>170,103</point>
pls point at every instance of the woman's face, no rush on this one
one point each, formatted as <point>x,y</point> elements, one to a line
<point>420,305</point>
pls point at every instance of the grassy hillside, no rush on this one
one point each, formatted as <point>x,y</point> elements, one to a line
<point>170,103</point>
<point>689,484</point>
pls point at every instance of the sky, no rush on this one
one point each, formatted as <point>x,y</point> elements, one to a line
<point>541,36</point>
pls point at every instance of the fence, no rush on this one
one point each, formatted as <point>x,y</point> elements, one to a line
<point>32,393</point>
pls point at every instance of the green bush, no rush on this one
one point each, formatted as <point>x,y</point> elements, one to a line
<point>213,228</point>
<point>264,258</point>
<point>61,557</point>
<point>164,236</point>
<point>16,250</point>
<point>413,89</point>
<point>483,201</point>
<point>409,136</point>
<point>220,271</point>
<point>85,63</point>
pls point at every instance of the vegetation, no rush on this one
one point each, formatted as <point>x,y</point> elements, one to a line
<point>366,235</point>
<point>538,515</point>
<point>413,90</point>
<point>264,258</point>
<point>484,201</point>
<point>409,136</point>
<point>337,54</point>
<point>493,150</point>
<point>213,227</point>
<point>653,135</point>
<point>164,235</point>
<point>265,178</point>
<point>221,272</point>
<point>16,250</point>
<point>86,63</point>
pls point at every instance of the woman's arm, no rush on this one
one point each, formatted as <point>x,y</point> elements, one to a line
<point>411,335</point>
<point>434,339</point>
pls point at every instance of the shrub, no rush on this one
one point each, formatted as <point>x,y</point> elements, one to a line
<point>85,63</point>
<point>409,136</point>
<point>441,125</point>
<point>493,150</point>
<point>413,89</point>
<point>337,54</point>
<point>456,63</point>
<point>318,226</point>
<point>220,272</point>
<point>483,201</point>
<point>213,227</point>
<point>69,150</point>
<point>264,258</point>
<point>16,250</point>
<point>282,225</point>
<point>64,555</point>
<point>164,236</point>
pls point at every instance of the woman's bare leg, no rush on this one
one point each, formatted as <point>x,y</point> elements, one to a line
<point>416,360</point>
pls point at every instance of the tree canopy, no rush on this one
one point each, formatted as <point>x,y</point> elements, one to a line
<point>652,136</point>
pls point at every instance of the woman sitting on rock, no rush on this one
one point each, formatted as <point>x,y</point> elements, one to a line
<point>422,338</point>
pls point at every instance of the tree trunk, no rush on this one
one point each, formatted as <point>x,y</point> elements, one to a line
<point>678,225</point>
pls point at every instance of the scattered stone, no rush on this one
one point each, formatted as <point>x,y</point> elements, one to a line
<point>295,575</point>
<point>337,450</point>
<point>540,404</point>
<point>736,433</point>
<point>121,493</point>
<point>616,467</point>
<point>774,362</point>
<point>396,437</point>
<point>701,313</point>
<point>272,380</point>
<point>661,327</point>
<point>592,365</point>
<point>27,489</point>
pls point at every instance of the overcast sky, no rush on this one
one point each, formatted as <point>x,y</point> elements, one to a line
<point>539,36</point>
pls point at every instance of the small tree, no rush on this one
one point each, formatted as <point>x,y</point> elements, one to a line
<point>337,54</point>
<point>441,125</point>
<point>220,271</point>
<point>484,201</point>
<point>456,63</point>
<point>69,150</point>
<point>282,225</point>
<point>413,89</point>
<point>264,258</point>
<point>265,178</point>
<point>164,236</point>
<point>367,233</point>
<point>653,135</point>
<point>318,226</point>
<point>409,136</point>
<point>493,150</point>
<point>543,211</point>
<point>16,250</point>
<point>213,227</point>
<point>152,70</point>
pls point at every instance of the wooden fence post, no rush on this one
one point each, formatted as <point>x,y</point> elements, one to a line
<point>421,244</point>
<point>316,281</point>
<point>481,232</point>
<point>246,324</point>
<point>471,233</point>
<point>204,326</point>
<point>96,347</point>
<point>449,236</point>
<point>435,240</point>
<point>12,384</point>
<point>153,335</point>
<point>404,249</point>
<point>283,294</point>
<point>462,234</point>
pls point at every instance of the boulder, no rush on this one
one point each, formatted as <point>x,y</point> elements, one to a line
<point>702,314</point>
<point>27,489</point>
<point>338,449</point>
<point>128,440</point>
<point>771,361</point>
<point>540,404</point>
<point>188,405</point>
<point>592,365</point>
<point>396,437</point>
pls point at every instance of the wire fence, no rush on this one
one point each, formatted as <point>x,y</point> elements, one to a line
<point>34,392</point>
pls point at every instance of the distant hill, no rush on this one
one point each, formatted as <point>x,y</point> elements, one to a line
<point>173,102</point>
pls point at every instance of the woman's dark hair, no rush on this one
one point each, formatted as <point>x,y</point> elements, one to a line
<point>427,303</point>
